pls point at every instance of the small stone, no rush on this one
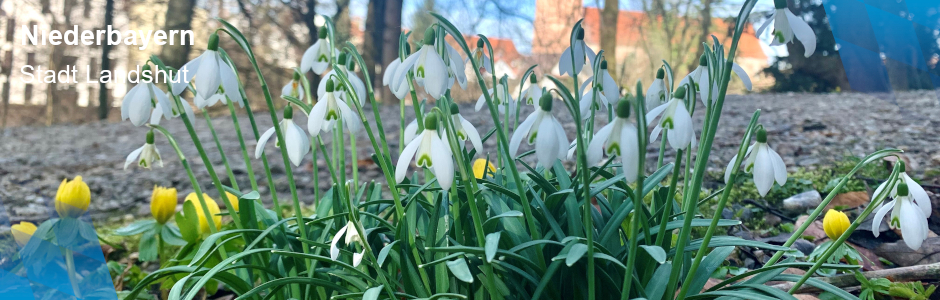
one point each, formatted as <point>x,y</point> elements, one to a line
<point>799,203</point>
<point>804,246</point>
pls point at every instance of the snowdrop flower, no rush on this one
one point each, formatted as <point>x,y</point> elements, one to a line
<point>532,94</point>
<point>787,26</point>
<point>917,192</point>
<point>173,112</point>
<point>293,88</point>
<point>542,129</point>
<point>357,85</point>
<point>464,129</point>
<point>479,56</point>
<point>763,162</point>
<point>146,156</point>
<point>501,98</point>
<point>317,57</point>
<point>656,93</point>
<point>329,109</point>
<point>429,151</point>
<point>215,79</point>
<point>455,68</point>
<point>676,118</point>
<point>139,102</point>
<point>579,50</point>
<point>352,236</point>
<point>428,68</point>
<point>295,139</point>
<point>906,215</point>
<point>702,76</point>
<point>401,90</point>
<point>617,138</point>
<point>603,92</point>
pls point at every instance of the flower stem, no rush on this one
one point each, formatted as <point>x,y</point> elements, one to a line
<point>70,265</point>
<point>218,146</point>
<point>241,143</point>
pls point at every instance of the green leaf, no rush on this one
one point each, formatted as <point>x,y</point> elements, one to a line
<point>460,270</point>
<point>383,254</point>
<point>822,285</point>
<point>136,227</point>
<point>656,252</point>
<point>492,244</point>
<point>372,294</point>
<point>709,264</point>
<point>575,253</point>
<point>492,221</point>
<point>657,284</point>
<point>171,235</point>
<point>148,246</point>
<point>188,222</point>
<point>66,230</point>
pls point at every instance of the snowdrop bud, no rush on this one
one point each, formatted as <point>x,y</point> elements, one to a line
<point>902,190</point>
<point>604,64</point>
<point>703,61</point>
<point>580,36</point>
<point>330,86</point>
<point>623,108</point>
<point>430,121</point>
<point>429,36</point>
<point>679,93</point>
<point>288,112</point>
<point>532,79</point>
<point>454,109</point>
<point>213,42</point>
<point>546,102</point>
<point>150,137</point>
<point>761,135</point>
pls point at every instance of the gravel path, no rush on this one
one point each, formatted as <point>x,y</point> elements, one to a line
<point>806,129</point>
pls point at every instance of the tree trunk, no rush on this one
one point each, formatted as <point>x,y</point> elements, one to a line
<point>609,17</point>
<point>7,71</point>
<point>706,24</point>
<point>390,34</point>
<point>179,15</point>
<point>372,53</point>
<point>312,33</point>
<point>104,96</point>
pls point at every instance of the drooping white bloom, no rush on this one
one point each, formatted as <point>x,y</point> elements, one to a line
<point>357,85</point>
<point>542,129</point>
<point>212,75</point>
<point>317,57</point>
<point>787,26</point>
<point>500,98</point>
<point>578,50</point>
<point>656,93</point>
<point>455,67</point>
<point>329,109</point>
<point>702,76</point>
<point>906,214</point>
<point>295,139</point>
<point>917,193</point>
<point>352,236</point>
<point>763,162</point>
<point>429,151</point>
<point>173,112</point>
<point>428,68</point>
<point>532,93</point>
<point>676,118</point>
<point>401,90</point>
<point>146,156</point>
<point>603,92</point>
<point>293,88</point>
<point>139,102</point>
<point>480,57</point>
<point>619,138</point>
<point>464,129</point>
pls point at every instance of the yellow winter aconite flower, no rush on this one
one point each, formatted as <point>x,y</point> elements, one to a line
<point>481,166</point>
<point>213,209</point>
<point>835,223</point>
<point>163,203</point>
<point>71,201</point>
<point>233,200</point>
<point>22,232</point>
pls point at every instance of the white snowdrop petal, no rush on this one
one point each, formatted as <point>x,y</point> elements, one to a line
<point>918,193</point>
<point>230,83</point>
<point>259,148</point>
<point>595,149</point>
<point>350,118</point>
<point>188,71</point>
<point>803,32</point>
<point>402,70</point>
<point>629,149</point>
<point>334,250</point>
<point>742,74</point>
<point>357,258</point>
<point>682,133</point>
<point>310,55</point>
<point>140,108</point>
<point>913,225</point>
<point>780,169</point>
<point>207,79</point>
<point>564,63</point>
<point>561,139</point>
<point>317,118</point>
<point>132,157</point>
<point>763,171</point>
<point>411,131</point>
<point>435,75</point>
<point>653,113</point>
<point>390,71</point>
<point>764,25</point>
<point>730,168</point>
<point>443,163</point>
<point>293,137</point>
<point>472,134</point>
<point>520,133</point>
<point>404,160</point>
<point>879,216</point>
<point>546,144</point>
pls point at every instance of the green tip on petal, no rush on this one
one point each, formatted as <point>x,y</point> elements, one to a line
<point>288,112</point>
<point>679,93</point>
<point>546,102</point>
<point>480,43</point>
<point>703,61</point>
<point>761,135</point>
<point>580,35</point>
<point>661,73</point>
<point>213,42</point>
<point>430,121</point>
<point>604,64</point>
<point>902,189</point>
<point>330,86</point>
<point>623,108</point>
<point>321,32</point>
<point>429,36</point>
<point>532,79</point>
<point>454,109</point>
<point>150,137</point>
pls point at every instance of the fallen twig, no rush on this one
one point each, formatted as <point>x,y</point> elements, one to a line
<point>912,273</point>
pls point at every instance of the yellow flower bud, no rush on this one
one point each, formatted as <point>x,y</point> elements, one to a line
<point>163,203</point>
<point>22,232</point>
<point>213,209</point>
<point>835,223</point>
<point>71,201</point>
<point>480,166</point>
<point>233,200</point>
